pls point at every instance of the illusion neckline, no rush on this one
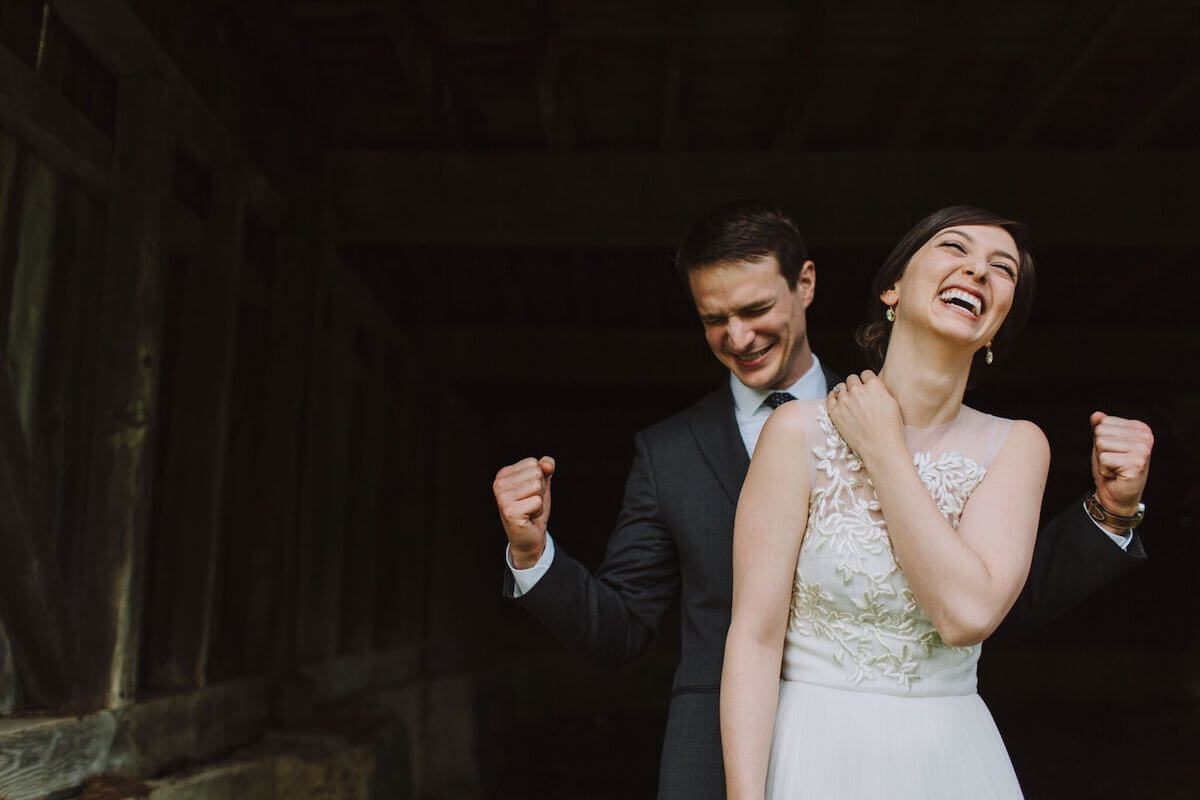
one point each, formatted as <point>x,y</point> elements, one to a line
<point>939,426</point>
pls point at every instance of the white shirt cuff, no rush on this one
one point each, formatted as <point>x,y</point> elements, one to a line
<point>1121,540</point>
<point>526,579</point>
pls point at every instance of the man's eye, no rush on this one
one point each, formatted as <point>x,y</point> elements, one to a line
<point>754,312</point>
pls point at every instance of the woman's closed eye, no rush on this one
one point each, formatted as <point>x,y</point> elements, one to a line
<point>1006,269</point>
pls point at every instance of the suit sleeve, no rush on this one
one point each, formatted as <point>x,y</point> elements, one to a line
<point>616,613</point>
<point>1072,559</point>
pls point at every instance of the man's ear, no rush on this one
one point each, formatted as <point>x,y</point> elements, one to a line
<point>806,282</point>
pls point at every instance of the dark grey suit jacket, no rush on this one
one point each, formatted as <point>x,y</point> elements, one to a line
<point>675,534</point>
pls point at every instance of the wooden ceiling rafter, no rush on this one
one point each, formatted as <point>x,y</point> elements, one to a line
<point>935,48</point>
<point>1104,26</point>
<point>1151,125</point>
<point>587,199</point>
<point>423,65</point>
<point>555,99</point>
<point>672,127</point>
<point>806,66</point>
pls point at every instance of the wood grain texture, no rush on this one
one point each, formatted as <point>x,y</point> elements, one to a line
<point>125,419</point>
<point>42,756</point>
<point>194,451</point>
<point>44,120</point>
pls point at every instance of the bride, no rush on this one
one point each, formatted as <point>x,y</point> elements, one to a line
<point>881,535</point>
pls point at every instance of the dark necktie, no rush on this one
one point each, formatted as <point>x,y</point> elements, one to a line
<point>776,399</point>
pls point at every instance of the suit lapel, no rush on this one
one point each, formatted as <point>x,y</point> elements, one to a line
<point>831,377</point>
<point>716,432</point>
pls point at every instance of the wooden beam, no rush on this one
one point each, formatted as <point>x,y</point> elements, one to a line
<point>356,674</point>
<point>43,756</point>
<point>423,68</point>
<point>285,379</point>
<point>672,126</point>
<point>32,595</point>
<point>8,674</point>
<point>363,497</point>
<point>404,564</point>
<point>192,487</point>
<point>321,548</point>
<point>42,119</point>
<point>807,65</point>
<point>185,233</point>
<point>567,356</point>
<point>554,99</point>
<point>125,419</point>
<point>1103,26</point>
<point>1151,124</point>
<point>651,199</point>
<point>29,313</point>
<point>115,36</point>
<point>944,31</point>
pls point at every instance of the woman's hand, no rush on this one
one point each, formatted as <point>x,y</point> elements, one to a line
<point>866,415</point>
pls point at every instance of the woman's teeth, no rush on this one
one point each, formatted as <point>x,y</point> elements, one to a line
<point>964,299</point>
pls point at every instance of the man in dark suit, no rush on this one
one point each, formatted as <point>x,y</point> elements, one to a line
<point>751,281</point>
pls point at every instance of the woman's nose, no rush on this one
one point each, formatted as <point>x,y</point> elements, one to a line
<point>976,273</point>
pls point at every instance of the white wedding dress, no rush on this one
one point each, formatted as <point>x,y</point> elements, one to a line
<point>872,702</point>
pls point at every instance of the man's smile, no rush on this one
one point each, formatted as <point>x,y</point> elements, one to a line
<point>754,355</point>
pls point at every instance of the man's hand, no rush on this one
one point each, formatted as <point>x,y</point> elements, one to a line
<point>523,497</point>
<point>1120,461</point>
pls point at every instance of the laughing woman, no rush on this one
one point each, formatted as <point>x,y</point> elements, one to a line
<point>882,533</point>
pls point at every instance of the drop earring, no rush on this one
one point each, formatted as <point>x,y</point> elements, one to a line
<point>890,314</point>
<point>987,357</point>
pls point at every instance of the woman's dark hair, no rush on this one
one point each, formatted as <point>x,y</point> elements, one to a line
<point>873,336</point>
<point>743,230</point>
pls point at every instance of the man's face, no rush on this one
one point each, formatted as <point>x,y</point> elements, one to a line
<point>753,322</point>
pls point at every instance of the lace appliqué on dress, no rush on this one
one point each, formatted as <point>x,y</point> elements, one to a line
<point>888,633</point>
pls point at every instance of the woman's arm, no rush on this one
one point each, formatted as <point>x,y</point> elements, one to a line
<point>771,515</point>
<point>965,580</point>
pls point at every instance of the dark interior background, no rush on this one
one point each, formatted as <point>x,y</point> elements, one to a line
<point>513,196</point>
<point>508,181</point>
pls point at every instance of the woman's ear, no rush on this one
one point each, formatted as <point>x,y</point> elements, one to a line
<point>890,296</point>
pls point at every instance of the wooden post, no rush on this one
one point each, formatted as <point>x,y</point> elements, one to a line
<point>32,599</point>
<point>196,430</point>
<point>8,674</point>
<point>11,194</point>
<point>329,517</point>
<point>27,328</point>
<point>281,464</point>
<point>358,603</point>
<point>321,547</point>
<point>124,421</point>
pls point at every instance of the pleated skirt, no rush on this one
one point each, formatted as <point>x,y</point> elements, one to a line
<point>834,744</point>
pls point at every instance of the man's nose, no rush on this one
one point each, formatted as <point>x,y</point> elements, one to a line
<point>740,334</point>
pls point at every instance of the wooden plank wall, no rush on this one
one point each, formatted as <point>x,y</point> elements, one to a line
<point>202,409</point>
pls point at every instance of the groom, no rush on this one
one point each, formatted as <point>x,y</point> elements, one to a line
<point>751,282</point>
